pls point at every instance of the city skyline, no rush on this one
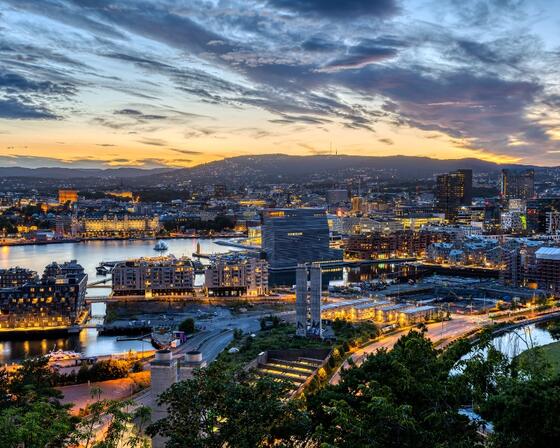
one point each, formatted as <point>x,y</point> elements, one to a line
<point>147,84</point>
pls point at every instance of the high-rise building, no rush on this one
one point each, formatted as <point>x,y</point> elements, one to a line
<point>308,300</point>
<point>296,235</point>
<point>517,184</point>
<point>65,196</point>
<point>453,190</point>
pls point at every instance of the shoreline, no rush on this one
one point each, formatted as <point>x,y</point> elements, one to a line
<point>146,238</point>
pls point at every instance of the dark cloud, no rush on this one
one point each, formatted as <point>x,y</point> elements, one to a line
<point>139,115</point>
<point>291,119</point>
<point>153,142</point>
<point>14,109</point>
<point>361,56</point>
<point>14,83</point>
<point>339,8</point>
<point>186,151</point>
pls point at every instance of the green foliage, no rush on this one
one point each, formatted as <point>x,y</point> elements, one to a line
<point>33,380</point>
<point>269,322</point>
<point>39,424</point>
<point>217,409</point>
<point>525,413</point>
<point>281,337</point>
<point>187,326</point>
<point>31,414</point>
<point>110,369</point>
<point>398,398</point>
<point>218,224</point>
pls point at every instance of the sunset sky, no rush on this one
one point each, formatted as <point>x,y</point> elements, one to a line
<point>102,83</point>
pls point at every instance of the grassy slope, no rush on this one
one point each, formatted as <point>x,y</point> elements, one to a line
<point>551,352</point>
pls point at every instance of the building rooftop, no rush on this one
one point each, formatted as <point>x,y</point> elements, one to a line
<point>548,253</point>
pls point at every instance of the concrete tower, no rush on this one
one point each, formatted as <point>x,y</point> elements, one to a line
<point>308,300</point>
<point>315,299</point>
<point>164,374</point>
<point>301,300</point>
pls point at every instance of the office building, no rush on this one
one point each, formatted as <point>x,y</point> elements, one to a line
<point>65,196</point>
<point>308,301</point>
<point>55,301</point>
<point>154,277</point>
<point>236,275</point>
<point>452,191</point>
<point>517,184</point>
<point>298,235</point>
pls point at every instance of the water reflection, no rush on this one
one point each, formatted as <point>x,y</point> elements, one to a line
<point>89,255</point>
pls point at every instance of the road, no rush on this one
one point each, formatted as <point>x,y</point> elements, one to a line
<point>440,333</point>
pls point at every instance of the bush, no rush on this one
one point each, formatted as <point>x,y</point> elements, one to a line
<point>107,370</point>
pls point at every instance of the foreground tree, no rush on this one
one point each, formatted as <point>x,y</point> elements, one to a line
<point>217,408</point>
<point>397,398</point>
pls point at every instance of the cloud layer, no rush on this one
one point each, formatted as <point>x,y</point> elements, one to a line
<point>164,75</point>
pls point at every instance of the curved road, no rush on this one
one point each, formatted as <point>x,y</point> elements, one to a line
<point>437,332</point>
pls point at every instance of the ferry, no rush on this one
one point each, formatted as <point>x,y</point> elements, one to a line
<point>161,246</point>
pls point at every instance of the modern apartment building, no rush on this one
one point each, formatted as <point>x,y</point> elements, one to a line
<point>292,236</point>
<point>236,275</point>
<point>55,301</point>
<point>399,244</point>
<point>534,265</point>
<point>154,277</point>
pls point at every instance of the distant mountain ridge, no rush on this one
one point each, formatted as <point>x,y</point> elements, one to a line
<point>275,168</point>
<point>281,168</point>
<point>71,173</point>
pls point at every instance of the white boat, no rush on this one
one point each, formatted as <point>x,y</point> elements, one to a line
<point>63,355</point>
<point>161,246</point>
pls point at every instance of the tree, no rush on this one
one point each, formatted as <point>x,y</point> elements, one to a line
<point>187,326</point>
<point>524,413</point>
<point>397,398</point>
<point>123,428</point>
<point>40,424</point>
<point>216,408</point>
<point>31,414</point>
